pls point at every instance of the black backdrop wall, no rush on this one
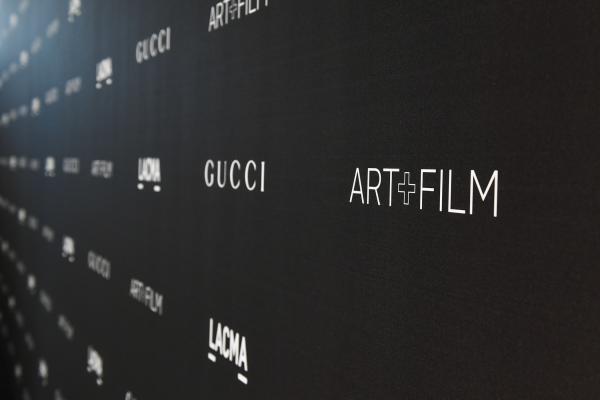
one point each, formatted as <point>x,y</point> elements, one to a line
<point>270,199</point>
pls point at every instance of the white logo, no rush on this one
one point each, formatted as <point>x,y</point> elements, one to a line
<point>99,264</point>
<point>19,319</point>
<point>18,371</point>
<point>23,5</point>
<point>249,176</point>
<point>68,248</point>
<point>130,396</point>
<point>22,215</point>
<point>36,105</point>
<point>24,58</point>
<point>43,371</point>
<point>157,43</point>
<point>13,162</point>
<point>94,364</point>
<point>73,86</point>
<point>31,283</point>
<point>29,341</point>
<point>36,45</point>
<point>51,96</point>
<point>48,233</point>
<point>149,171</point>
<point>229,345</point>
<point>21,267</point>
<point>147,296</point>
<point>102,169</point>
<point>34,164</point>
<point>412,190</point>
<point>74,10</point>
<point>227,11</point>
<point>50,167</point>
<point>66,327</point>
<point>71,165</point>
<point>104,72</point>
<point>52,29</point>
<point>33,223</point>
<point>46,300</point>
<point>58,395</point>
<point>13,21</point>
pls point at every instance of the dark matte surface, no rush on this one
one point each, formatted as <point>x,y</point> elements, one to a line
<point>336,300</point>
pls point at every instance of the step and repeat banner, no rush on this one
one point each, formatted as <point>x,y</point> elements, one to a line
<point>276,199</point>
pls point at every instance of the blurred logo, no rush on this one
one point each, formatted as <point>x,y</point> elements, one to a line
<point>102,169</point>
<point>230,345</point>
<point>43,371</point>
<point>53,28</point>
<point>156,44</point>
<point>104,72</point>
<point>50,167</point>
<point>36,105</point>
<point>51,96</point>
<point>149,172</point>
<point>71,165</point>
<point>74,10</point>
<point>68,248</point>
<point>73,86</point>
<point>94,364</point>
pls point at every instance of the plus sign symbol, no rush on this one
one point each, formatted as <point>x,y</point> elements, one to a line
<point>406,188</point>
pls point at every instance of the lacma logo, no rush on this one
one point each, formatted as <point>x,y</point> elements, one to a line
<point>50,167</point>
<point>149,172</point>
<point>68,248</point>
<point>24,58</point>
<point>31,283</point>
<point>74,10</point>
<point>104,72</point>
<point>229,345</point>
<point>18,371</point>
<point>22,215</point>
<point>43,371</point>
<point>36,106</point>
<point>94,364</point>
